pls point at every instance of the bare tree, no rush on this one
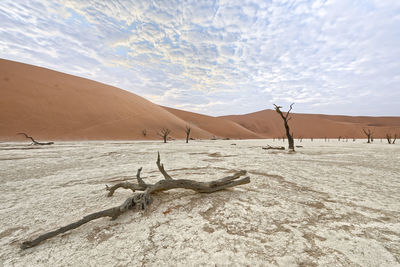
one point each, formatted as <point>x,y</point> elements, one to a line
<point>164,133</point>
<point>389,138</point>
<point>286,119</point>
<point>369,135</point>
<point>187,131</point>
<point>140,201</point>
<point>144,132</point>
<point>34,142</point>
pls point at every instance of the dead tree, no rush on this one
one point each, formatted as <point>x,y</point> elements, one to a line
<point>140,201</point>
<point>286,119</point>
<point>144,132</point>
<point>369,135</point>
<point>164,133</point>
<point>34,142</point>
<point>187,131</point>
<point>389,138</point>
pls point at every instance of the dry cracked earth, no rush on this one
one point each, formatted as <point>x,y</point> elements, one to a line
<point>329,204</point>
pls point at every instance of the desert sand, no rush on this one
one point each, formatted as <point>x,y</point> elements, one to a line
<point>218,126</point>
<point>329,204</point>
<point>268,124</point>
<point>50,105</point>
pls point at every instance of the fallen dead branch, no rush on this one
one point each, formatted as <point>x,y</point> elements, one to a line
<point>139,201</point>
<point>268,147</point>
<point>34,142</point>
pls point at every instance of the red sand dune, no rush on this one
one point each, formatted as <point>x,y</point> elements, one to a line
<point>50,105</point>
<point>268,123</point>
<point>218,126</point>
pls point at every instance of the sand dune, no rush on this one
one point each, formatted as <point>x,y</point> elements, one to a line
<point>267,123</point>
<point>53,105</point>
<point>220,127</point>
<point>57,106</point>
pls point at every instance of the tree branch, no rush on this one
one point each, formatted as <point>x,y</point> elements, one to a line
<point>34,142</point>
<point>143,199</point>
<point>161,168</point>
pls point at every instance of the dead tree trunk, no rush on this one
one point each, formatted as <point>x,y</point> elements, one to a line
<point>140,201</point>
<point>389,138</point>
<point>164,133</point>
<point>369,135</point>
<point>285,119</point>
<point>187,131</point>
<point>34,142</point>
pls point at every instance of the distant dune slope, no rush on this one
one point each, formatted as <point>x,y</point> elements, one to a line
<point>220,127</point>
<point>267,123</point>
<point>53,105</point>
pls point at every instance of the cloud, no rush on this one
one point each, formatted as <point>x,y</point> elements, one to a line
<point>220,57</point>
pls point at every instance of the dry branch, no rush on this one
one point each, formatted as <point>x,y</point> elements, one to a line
<point>34,142</point>
<point>143,199</point>
<point>268,147</point>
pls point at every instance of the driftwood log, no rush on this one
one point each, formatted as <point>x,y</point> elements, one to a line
<point>139,201</point>
<point>34,142</point>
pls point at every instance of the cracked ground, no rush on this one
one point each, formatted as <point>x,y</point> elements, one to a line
<point>329,204</point>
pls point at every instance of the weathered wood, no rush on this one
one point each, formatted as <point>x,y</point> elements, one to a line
<point>143,199</point>
<point>34,142</point>
<point>187,131</point>
<point>286,119</point>
<point>164,133</point>
<point>369,135</point>
<point>268,147</point>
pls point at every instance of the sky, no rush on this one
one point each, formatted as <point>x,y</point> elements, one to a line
<point>220,57</point>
